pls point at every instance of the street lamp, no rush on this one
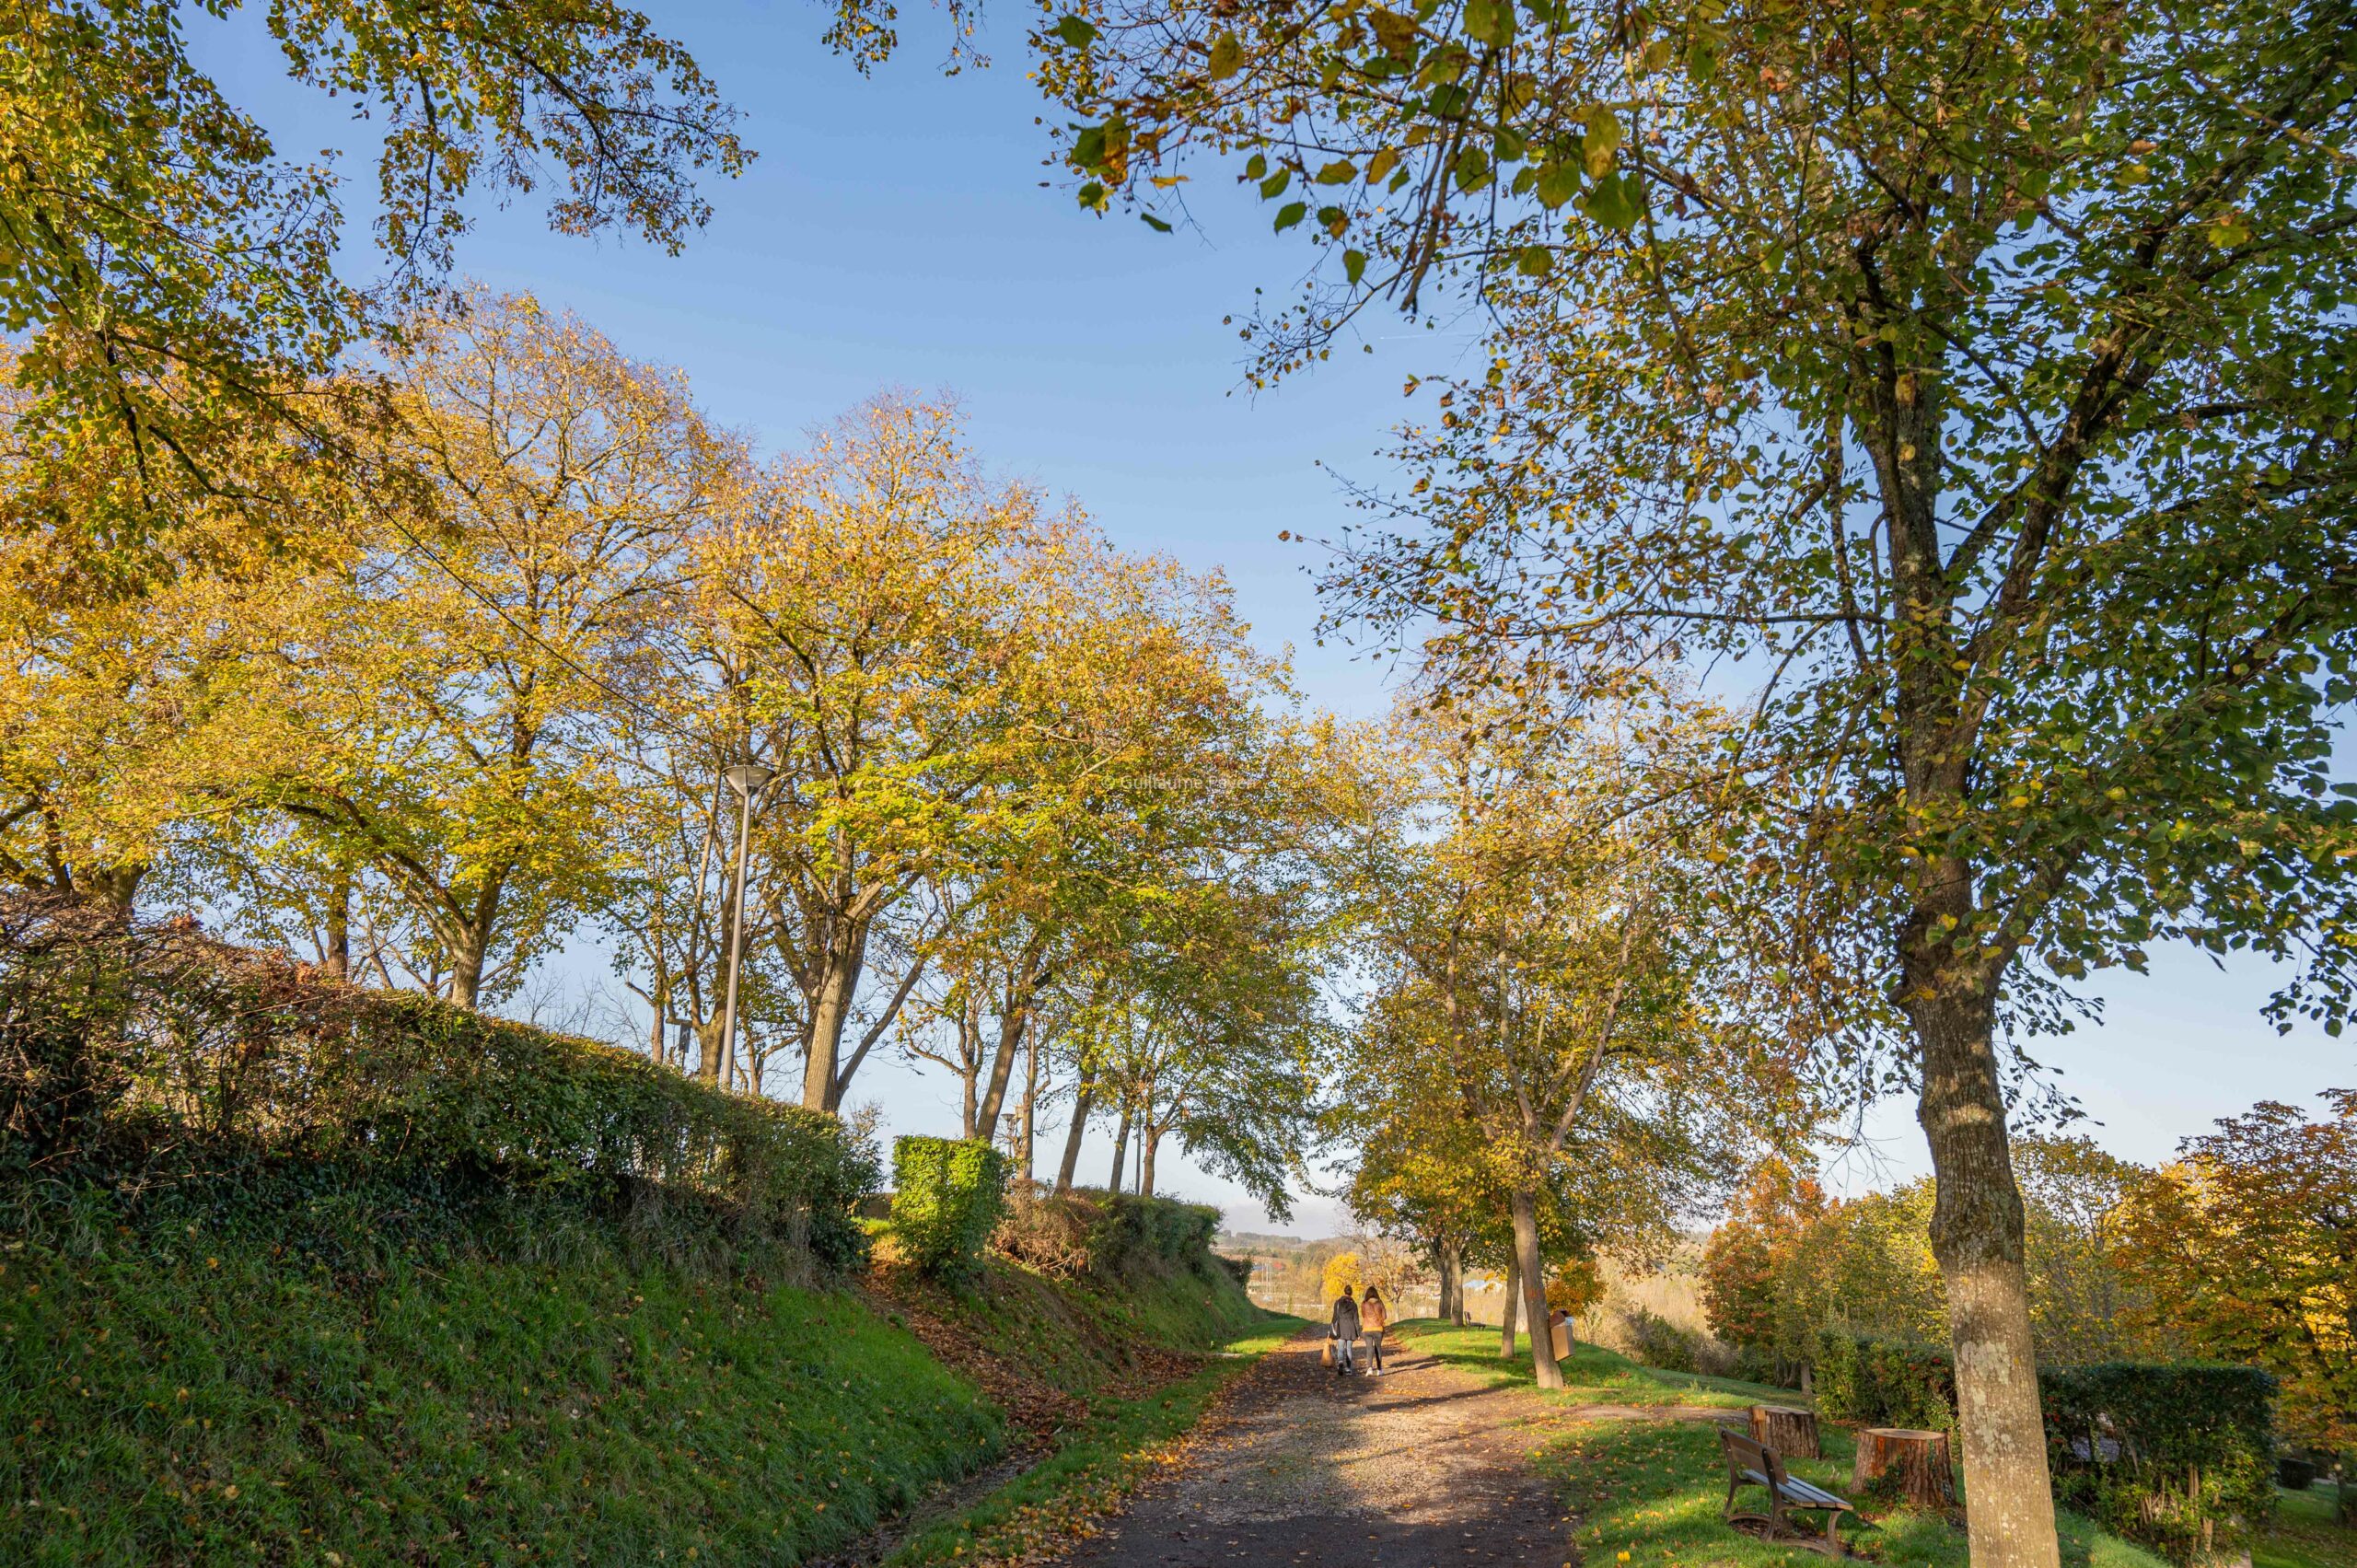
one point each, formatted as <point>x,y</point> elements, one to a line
<point>745,778</point>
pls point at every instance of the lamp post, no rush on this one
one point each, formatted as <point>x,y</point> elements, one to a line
<point>745,778</point>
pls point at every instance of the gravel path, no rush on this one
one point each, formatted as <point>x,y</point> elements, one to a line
<point>1421,1466</point>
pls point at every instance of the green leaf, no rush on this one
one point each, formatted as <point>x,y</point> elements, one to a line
<point>1354,265</point>
<point>1275,186</point>
<point>1490,21</point>
<point>1602,138</point>
<point>1227,57</point>
<point>1557,183</point>
<point>1535,261</point>
<point>1076,31</point>
<point>1612,203</point>
<point>1256,167</point>
<point>1341,172</point>
<point>1088,148</point>
<point>1092,196</point>
<point>1291,214</point>
<point>1154,223</point>
<point>1380,165</point>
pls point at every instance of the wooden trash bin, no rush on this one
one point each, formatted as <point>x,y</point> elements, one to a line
<point>1791,1432</point>
<point>1919,1465</point>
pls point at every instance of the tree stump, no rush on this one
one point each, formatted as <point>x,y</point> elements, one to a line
<point>1917,1465</point>
<point>1791,1433</point>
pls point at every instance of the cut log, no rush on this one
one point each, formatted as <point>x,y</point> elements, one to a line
<point>1918,1465</point>
<point>1791,1433</point>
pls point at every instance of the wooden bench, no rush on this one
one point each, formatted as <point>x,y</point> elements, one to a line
<point>1752,1463</point>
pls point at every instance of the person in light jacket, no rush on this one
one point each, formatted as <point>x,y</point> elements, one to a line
<point>1374,1317</point>
<point>1345,1327</point>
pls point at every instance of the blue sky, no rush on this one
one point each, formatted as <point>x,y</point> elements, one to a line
<point>894,233</point>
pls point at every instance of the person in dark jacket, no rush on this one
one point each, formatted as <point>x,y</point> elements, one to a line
<point>1345,1327</point>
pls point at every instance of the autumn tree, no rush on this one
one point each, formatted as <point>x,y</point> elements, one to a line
<point>1538,968</point>
<point>175,275</point>
<point>858,620</point>
<point>1987,402</point>
<point>2247,1246</point>
<point>459,697</point>
<point>1748,1250</point>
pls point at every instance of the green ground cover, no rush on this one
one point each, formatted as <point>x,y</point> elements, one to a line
<point>208,1401</point>
<point>1593,1374</point>
<point>1652,1491</point>
<point>2303,1534</point>
<point>526,1388</point>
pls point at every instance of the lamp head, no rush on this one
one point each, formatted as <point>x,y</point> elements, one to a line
<point>747,777</point>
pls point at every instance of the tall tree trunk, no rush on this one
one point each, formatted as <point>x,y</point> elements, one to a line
<point>1078,1130</point>
<point>839,968</point>
<point>1524,1206</point>
<point>1149,1139</point>
<point>1121,1150</point>
<point>1452,1282</point>
<point>1030,1103</point>
<point>339,923</point>
<point>708,1049</point>
<point>1012,1020</point>
<point>1513,1305</point>
<point>1976,1237</point>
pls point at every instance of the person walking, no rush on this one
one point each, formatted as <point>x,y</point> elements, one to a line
<point>1374,1317</point>
<point>1343,1326</point>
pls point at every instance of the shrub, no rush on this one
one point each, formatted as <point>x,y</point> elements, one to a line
<point>1656,1341</point>
<point>2177,1457</point>
<point>1157,1232</point>
<point>947,1195</point>
<point>1047,1231</point>
<point>1088,1230</point>
<point>154,1048</point>
<point>1869,1381</point>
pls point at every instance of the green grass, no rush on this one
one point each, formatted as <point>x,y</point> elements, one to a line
<point>1593,1375</point>
<point>1651,1492</point>
<point>1655,1490</point>
<point>206,1402</point>
<point>1095,1468</point>
<point>2303,1534</point>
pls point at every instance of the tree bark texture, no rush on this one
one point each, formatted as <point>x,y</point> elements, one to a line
<point>1977,1238</point>
<point>1917,1465</point>
<point>1450,1262</point>
<point>1791,1433</point>
<point>1513,1305</point>
<point>1073,1134</point>
<point>840,965</point>
<point>1121,1150</point>
<point>1149,1142</point>
<point>1524,1207</point>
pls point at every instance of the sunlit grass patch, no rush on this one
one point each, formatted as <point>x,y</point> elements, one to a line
<point>1650,1492</point>
<point>2303,1534</point>
<point>1593,1374</point>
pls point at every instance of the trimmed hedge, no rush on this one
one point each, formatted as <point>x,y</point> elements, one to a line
<point>2177,1457</point>
<point>152,1049</point>
<point>947,1195</point>
<point>1876,1382</point>
<point>2180,1457</point>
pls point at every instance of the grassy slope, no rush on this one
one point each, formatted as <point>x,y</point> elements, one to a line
<point>1651,1492</point>
<point>199,1405</point>
<point>2303,1534</point>
<point>201,1397</point>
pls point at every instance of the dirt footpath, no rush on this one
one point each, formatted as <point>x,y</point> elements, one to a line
<point>1420,1466</point>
